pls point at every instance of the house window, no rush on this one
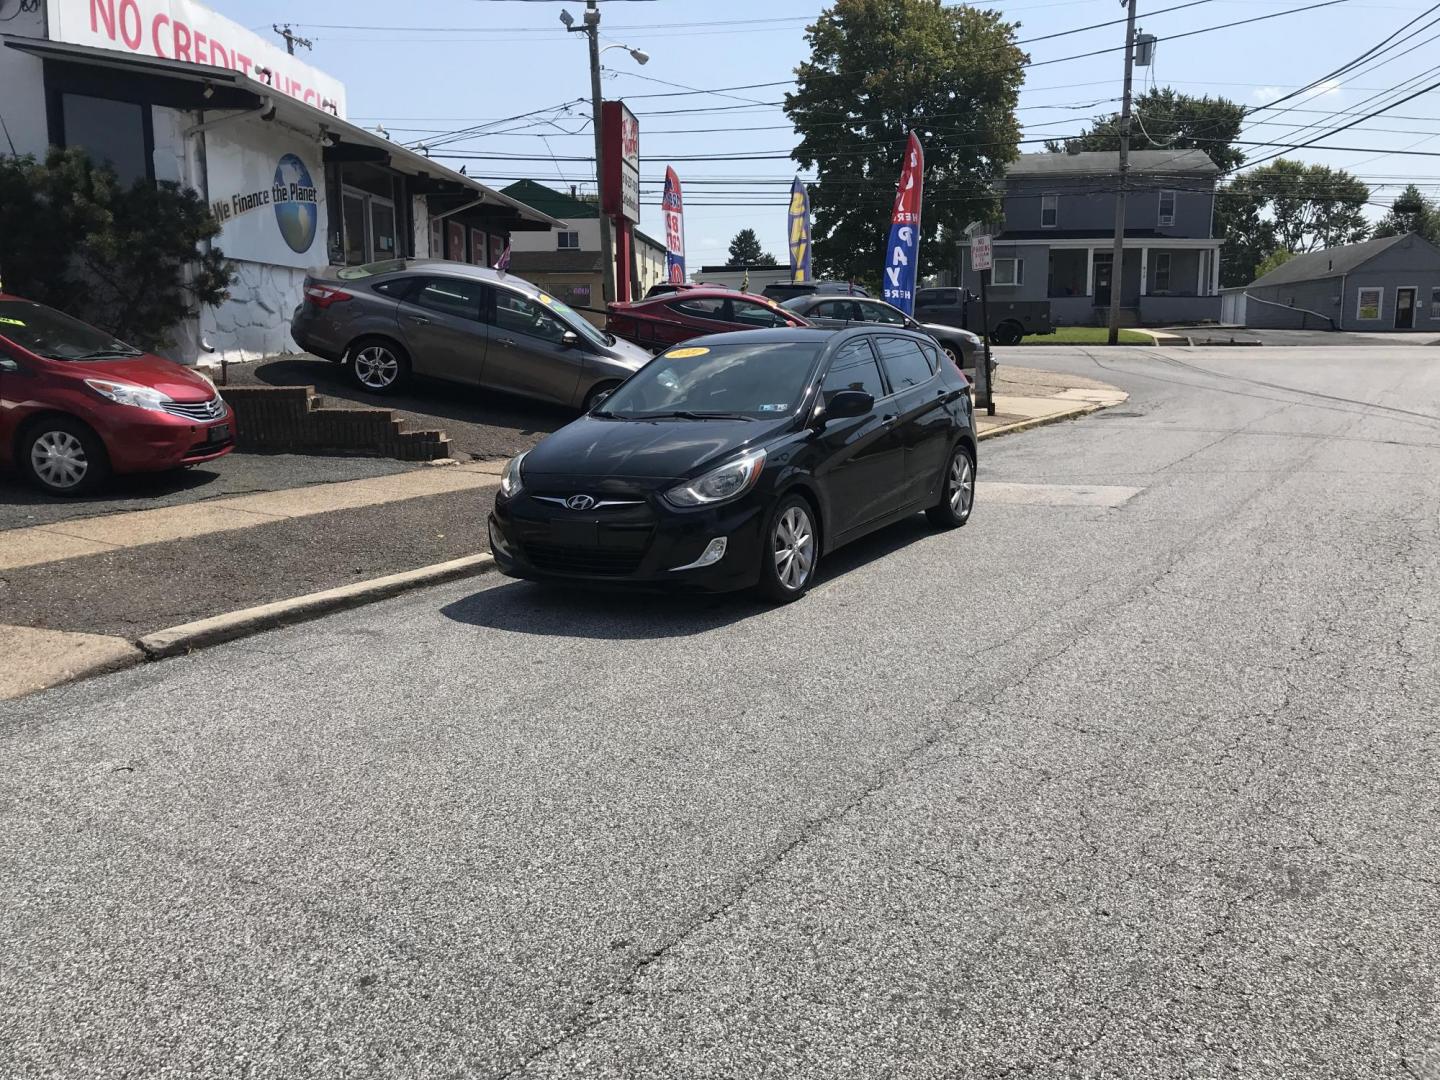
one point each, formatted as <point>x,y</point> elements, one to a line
<point>1435,303</point>
<point>1370,303</point>
<point>1049,211</point>
<point>567,241</point>
<point>1008,272</point>
<point>1162,272</point>
<point>1167,208</point>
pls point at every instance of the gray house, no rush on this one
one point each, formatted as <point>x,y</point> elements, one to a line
<point>1388,284</point>
<point>1059,226</point>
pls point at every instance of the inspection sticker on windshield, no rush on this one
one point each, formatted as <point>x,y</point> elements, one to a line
<point>544,299</point>
<point>686,354</point>
<point>774,408</point>
<point>11,322</point>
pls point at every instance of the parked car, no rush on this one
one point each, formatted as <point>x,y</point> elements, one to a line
<point>466,324</point>
<point>665,288</point>
<point>1010,320</point>
<point>657,323</point>
<point>77,405</point>
<point>962,347</point>
<point>740,460</point>
<point>781,291</point>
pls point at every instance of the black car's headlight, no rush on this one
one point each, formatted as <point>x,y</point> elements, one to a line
<point>729,481</point>
<point>510,479</point>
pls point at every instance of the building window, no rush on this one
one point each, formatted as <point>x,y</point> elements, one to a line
<point>1008,272</point>
<point>1167,208</point>
<point>1370,303</point>
<point>437,238</point>
<point>477,248</point>
<point>567,241</point>
<point>370,232</point>
<point>1162,272</point>
<point>1435,303</point>
<point>1049,211</point>
<point>110,132</point>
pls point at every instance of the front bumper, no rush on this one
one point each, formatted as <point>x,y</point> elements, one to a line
<point>152,442</point>
<point>636,546</point>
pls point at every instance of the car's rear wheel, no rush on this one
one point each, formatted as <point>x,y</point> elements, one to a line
<point>957,493</point>
<point>63,456</point>
<point>790,552</point>
<point>379,366</point>
<point>1008,332</point>
<point>595,392</point>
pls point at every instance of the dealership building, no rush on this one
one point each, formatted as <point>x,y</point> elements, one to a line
<point>168,90</point>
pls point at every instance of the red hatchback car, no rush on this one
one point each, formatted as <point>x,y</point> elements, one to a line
<point>658,322</point>
<point>76,405</point>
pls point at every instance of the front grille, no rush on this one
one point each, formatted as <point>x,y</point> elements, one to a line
<point>202,411</point>
<point>588,560</point>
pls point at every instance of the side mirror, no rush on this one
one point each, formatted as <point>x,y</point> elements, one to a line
<point>847,403</point>
<point>8,366</point>
<point>569,339</point>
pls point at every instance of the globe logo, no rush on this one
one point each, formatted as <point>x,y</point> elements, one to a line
<point>296,208</point>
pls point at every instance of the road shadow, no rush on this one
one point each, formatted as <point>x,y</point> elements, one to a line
<point>618,614</point>
<point>425,403</point>
<point>126,491</point>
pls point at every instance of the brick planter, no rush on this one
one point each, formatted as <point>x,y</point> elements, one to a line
<point>294,420</point>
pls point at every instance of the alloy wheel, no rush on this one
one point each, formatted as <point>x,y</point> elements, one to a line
<point>962,484</point>
<point>59,459</point>
<point>794,545</point>
<point>376,367</point>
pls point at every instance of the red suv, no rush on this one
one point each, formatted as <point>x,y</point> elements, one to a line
<point>76,405</point>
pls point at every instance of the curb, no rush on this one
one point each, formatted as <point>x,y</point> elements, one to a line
<point>188,637</point>
<point>1039,421</point>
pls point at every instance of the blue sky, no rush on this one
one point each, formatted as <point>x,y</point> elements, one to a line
<point>471,62</point>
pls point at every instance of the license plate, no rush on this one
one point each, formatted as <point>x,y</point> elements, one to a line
<point>575,533</point>
<point>219,433</point>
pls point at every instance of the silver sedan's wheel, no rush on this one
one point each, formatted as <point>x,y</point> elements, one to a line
<point>793,544</point>
<point>378,367</point>
<point>58,460</point>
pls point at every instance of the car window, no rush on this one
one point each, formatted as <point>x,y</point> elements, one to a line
<point>396,289</point>
<point>762,380</point>
<point>839,309</point>
<point>753,314</point>
<point>521,315</point>
<point>905,362</point>
<point>881,313</point>
<point>853,368</point>
<point>449,296</point>
<point>716,308</point>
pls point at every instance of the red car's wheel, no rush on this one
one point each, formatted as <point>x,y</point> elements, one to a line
<point>61,455</point>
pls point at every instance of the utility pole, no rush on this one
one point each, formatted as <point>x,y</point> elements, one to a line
<point>1117,259</point>
<point>291,38</point>
<point>591,29</point>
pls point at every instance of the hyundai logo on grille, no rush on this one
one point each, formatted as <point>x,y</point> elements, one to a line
<point>579,502</point>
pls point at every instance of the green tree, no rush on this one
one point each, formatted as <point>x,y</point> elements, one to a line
<point>745,250</point>
<point>1411,212</point>
<point>1166,120</point>
<point>127,260</point>
<point>1289,205</point>
<point>1276,259</point>
<point>879,69</point>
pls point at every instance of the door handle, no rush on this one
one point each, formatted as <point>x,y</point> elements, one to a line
<point>507,342</point>
<point>888,421</point>
<point>418,319</point>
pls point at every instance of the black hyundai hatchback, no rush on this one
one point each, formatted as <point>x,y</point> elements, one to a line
<point>740,459</point>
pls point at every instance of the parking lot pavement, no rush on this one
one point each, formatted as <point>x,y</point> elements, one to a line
<point>22,506</point>
<point>1226,335</point>
<point>481,424</point>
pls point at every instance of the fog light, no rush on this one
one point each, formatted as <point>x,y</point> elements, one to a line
<point>497,541</point>
<point>713,553</point>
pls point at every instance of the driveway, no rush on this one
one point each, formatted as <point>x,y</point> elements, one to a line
<point>1225,335</point>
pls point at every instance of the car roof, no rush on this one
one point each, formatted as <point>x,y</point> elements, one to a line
<point>702,292</point>
<point>765,335</point>
<point>458,269</point>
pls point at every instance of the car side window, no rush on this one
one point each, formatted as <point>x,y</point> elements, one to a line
<point>396,288</point>
<point>882,313</point>
<point>853,368</point>
<point>905,362</point>
<point>829,309</point>
<point>450,296</point>
<point>753,314</point>
<point>715,308</point>
<point>521,315</point>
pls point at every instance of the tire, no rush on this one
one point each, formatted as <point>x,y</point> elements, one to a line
<point>957,492</point>
<point>595,392</point>
<point>1009,332</point>
<point>62,456</point>
<point>782,579</point>
<point>957,357</point>
<point>378,365</point>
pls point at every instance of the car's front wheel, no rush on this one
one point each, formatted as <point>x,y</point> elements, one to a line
<point>791,550</point>
<point>63,456</point>
<point>379,366</point>
<point>957,493</point>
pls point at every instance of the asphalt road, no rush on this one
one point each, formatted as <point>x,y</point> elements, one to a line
<point>1140,782</point>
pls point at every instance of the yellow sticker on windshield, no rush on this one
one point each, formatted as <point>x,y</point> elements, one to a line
<point>11,322</point>
<point>686,354</point>
<point>544,299</point>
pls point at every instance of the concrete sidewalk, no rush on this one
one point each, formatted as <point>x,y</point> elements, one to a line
<point>78,593</point>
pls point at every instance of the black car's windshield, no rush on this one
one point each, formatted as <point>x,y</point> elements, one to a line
<point>759,381</point>
<point>55,335</point>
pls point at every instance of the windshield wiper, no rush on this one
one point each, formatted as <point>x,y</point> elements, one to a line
<point>107,354</point>
<point>686,414</point>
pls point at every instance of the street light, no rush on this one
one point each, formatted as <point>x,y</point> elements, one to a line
<point>591,29</point>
